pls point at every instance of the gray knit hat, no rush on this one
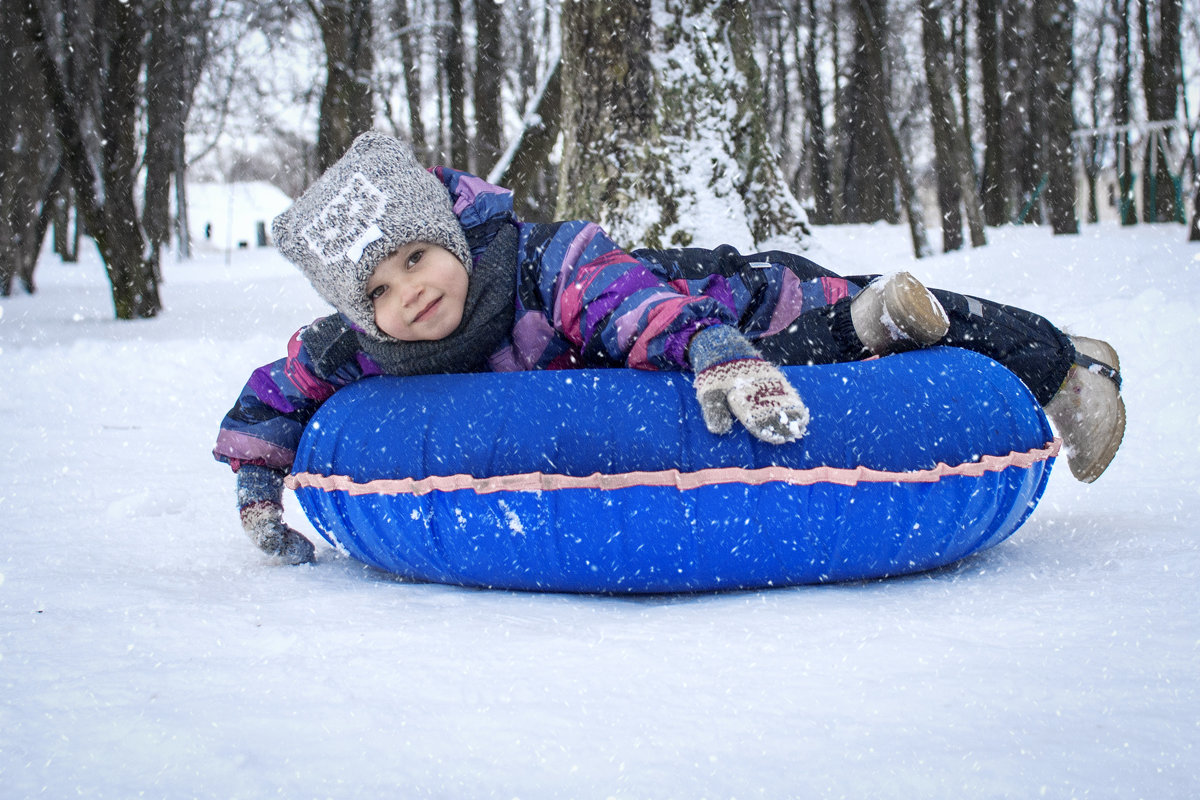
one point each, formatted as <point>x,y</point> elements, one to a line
<point>374,200</point>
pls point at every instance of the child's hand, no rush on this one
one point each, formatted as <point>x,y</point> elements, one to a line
<point>732,380</point>
<point>755,392</point>
<point>260,504</point>
<point>263,523</point>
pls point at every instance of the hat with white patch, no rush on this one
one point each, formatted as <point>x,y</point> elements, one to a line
<point>374,200</point>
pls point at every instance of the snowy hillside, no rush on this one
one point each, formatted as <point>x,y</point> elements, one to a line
<point>147,649</point>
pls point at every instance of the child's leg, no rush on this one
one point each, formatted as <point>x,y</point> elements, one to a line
<point>1029,345</point>
<point>823,335</point>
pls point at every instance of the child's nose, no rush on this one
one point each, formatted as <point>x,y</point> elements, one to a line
<point>409,293</point>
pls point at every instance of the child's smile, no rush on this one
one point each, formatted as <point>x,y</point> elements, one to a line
<point>418,293</point>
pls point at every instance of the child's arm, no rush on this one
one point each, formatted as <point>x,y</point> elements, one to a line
<point>260,507</point>
<point>614,308</point>
<point>259,435</point>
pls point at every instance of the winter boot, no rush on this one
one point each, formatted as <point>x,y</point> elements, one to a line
<point>1088,411</point>
<point>896,312</point>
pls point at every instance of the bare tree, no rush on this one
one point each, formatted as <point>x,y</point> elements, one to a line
<point>872,28</point>
<point>1054,23</point>
<point>105,196</point>
<point>177,49</point>
<point>408,35</point>
<point>525,167</point>
<point>1121,113</point>
<point>868,170</point>
<point>1162,76</point>
<point>954,171</point>
<point>821,181</point>
<point>489,70</point>
<point>993,185</point>
<point>456,88</point>
<point>347,107</point>
<point>28,156</point>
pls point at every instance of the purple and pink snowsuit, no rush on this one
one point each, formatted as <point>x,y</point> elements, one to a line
<point>582,301</point>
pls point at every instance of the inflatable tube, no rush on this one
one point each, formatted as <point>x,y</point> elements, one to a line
<point>607,481</point>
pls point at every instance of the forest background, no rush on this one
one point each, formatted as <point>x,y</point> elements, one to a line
<point>654,117</point>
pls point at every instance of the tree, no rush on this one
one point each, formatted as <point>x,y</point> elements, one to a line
<point>1162,76</point>
<point>955,173</point>
<point>1054,22</point>
<point>177,49</point>
<point>1021,170</point>
<point>456,89</point>
<point>525,167</point>
<point>821,180</point>
<point>993,184</point>
<point>663,130</point>
<point>347,107</point>
<point>874,110</point>
<point>29,160</point>
<point>1121,113</point>
<point>105,196</point>
<point>489,69</point>
<point>868,170</point>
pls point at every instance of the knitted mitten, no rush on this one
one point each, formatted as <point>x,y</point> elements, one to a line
<point>260,503</point>
<point>733,380</point>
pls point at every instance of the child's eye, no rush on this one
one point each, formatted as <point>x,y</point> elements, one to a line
<point>376,293</point>
<point>414,257</point>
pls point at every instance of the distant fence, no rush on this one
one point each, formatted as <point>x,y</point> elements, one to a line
<point>1100,152</point>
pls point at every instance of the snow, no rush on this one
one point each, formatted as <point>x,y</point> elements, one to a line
<point>147,649</point>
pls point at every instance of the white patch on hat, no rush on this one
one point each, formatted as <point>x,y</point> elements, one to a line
<point>348,223</point>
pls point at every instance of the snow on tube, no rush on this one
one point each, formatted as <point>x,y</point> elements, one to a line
<point>607,481</point>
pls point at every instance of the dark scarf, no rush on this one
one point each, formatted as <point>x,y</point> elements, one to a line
<point>488,315</point>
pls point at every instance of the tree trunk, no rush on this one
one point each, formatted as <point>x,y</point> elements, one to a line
<point>772,211</point>
<point>1121,114</point>
<point>176,55</point>
<point>1020,126</point>
<point>608,113</point>
<point>456,88</point>
<point>872,26</point>
<point>868,169</point>
<point>347,104</point>
<point>489,68</point>
<point>942,115</point>
<point>106,202</point>
<point>526,171</point>
<point>410,62</point>
<point>23,140</point>
<point>133,268</point>
<point>662,168</point>
<point>992,184</point>
<point>1194,230</point>
<point>1055,24</point>
<point>1162,77</point>
<point>814,116</point>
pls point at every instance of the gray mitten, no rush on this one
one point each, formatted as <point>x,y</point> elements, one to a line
<point>260,504</point>
<point>733,380</point>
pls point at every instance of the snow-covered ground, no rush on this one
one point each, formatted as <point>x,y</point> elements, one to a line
<point>147,649</point>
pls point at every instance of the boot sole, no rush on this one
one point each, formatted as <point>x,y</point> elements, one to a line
<point>924,321</point>
<point>1104,352</point>
<point>1096,468</point>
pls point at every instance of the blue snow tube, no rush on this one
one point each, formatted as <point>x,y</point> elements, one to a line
<point>607,481</point>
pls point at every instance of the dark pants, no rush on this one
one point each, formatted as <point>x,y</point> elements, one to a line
<point>1027,344</point>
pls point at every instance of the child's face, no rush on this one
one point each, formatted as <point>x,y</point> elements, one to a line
<point>418,293</point>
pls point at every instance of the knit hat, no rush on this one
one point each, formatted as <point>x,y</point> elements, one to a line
<point>374,200</point>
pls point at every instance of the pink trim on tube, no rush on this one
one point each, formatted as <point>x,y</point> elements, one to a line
<point>542,482</point>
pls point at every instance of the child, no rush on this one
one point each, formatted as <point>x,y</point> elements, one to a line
<point>430,272</point>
